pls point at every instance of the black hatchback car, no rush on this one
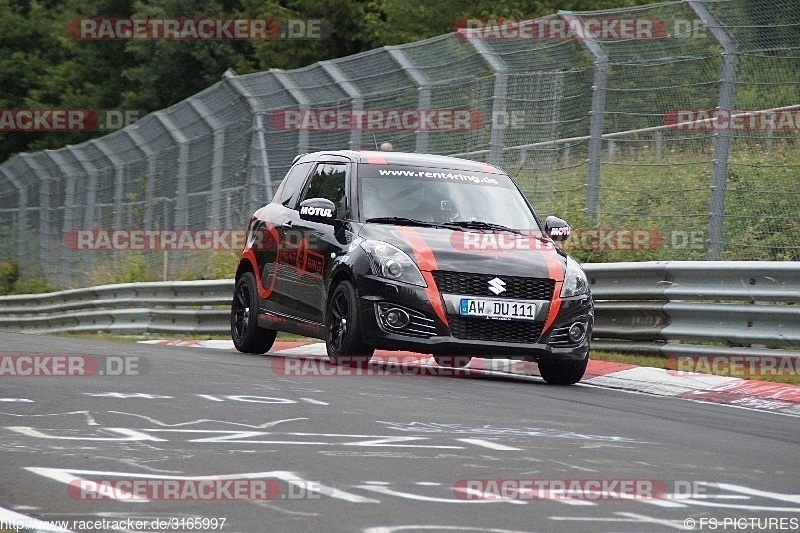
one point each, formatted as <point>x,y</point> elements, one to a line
<point>403,251</point>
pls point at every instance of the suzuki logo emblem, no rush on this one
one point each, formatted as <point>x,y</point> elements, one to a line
<point>497,286</point>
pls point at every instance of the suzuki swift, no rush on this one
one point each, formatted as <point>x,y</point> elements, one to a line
<point>402,251</point>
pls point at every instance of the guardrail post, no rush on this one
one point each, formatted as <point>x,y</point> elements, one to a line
<point>596,120</point>
<point>720,138</point>
<point>356,100</point>
<point>423,88</point>
<point>500,70</point>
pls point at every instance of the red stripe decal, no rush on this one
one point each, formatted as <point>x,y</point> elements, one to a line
<point>556,272</point>
<point>427,262</point>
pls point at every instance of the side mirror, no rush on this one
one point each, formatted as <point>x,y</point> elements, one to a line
<point>556,229</point>
<point>318,210</point>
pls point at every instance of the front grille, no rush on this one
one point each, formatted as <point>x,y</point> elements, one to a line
<point>521,331</point>
<point>468,284</point>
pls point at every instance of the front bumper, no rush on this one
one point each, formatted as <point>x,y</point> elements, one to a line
<point>479,337</point>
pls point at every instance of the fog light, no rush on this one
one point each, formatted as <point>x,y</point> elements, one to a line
<point>576,332</point>
<point>396,318</point>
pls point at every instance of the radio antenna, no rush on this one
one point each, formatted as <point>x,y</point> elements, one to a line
<point>376,143</point>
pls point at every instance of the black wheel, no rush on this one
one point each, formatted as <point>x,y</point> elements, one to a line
<point>343,338</point>
<point>562,372</point>
<point>453,361</point>
<point>247,336</point>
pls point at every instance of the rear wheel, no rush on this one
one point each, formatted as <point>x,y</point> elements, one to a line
<point>247,336</point>
<point>562,372</point>
<point>343,338</point>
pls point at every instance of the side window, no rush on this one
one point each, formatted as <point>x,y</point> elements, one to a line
<point>290,187</point>
<point>328,181</point>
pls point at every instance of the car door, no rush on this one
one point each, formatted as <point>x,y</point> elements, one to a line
<point>269,233</point>
<point>309,246</point>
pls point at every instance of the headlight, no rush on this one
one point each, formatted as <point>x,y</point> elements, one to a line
<point>392,263</point>
<point>575,282</point>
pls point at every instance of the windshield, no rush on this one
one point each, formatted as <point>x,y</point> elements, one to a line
<point>437,195</point>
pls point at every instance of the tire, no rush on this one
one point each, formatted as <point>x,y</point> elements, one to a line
<point>562,372</point>
<point>343,328</point>
<point>247,336</point>
<point>453,361</point>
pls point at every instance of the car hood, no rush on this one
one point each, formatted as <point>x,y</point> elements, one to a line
<point>501,253</point>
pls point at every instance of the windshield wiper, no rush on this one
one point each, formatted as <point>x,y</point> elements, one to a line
<point>480,224</point>
<point>403,221</point>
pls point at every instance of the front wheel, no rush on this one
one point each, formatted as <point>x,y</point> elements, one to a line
<point>343,338</point>
<point>562,372</point>
<point>247,336</point>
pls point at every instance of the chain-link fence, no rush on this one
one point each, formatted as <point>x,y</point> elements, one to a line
<point>666,131</point>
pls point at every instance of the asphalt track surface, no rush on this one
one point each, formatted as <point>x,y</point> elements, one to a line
<point>388,453</point>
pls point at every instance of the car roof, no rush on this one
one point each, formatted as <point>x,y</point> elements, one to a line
<point>403,158</point>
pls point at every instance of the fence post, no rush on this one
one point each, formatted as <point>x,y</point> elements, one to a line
<point>119,187</point>
<point>423,88</point>
<point>91,195</point>
<point>68,223</point>
<point>217,162</point>
<point>356,100</point>
<point>149,190</point>
<point>720,138</point>
<point>44,207</point>
<point>596,119</point>
<point>302,100</point>
<point>258,146</point>
<point>500,70</point>
<point>181,199</point>
<point>22,217</point>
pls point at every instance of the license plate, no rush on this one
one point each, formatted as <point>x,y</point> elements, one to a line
<point>487,308</point>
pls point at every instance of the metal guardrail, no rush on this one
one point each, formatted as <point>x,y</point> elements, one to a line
<point>178,307</point>
<point>728,307</point>
<point>723,307</point>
